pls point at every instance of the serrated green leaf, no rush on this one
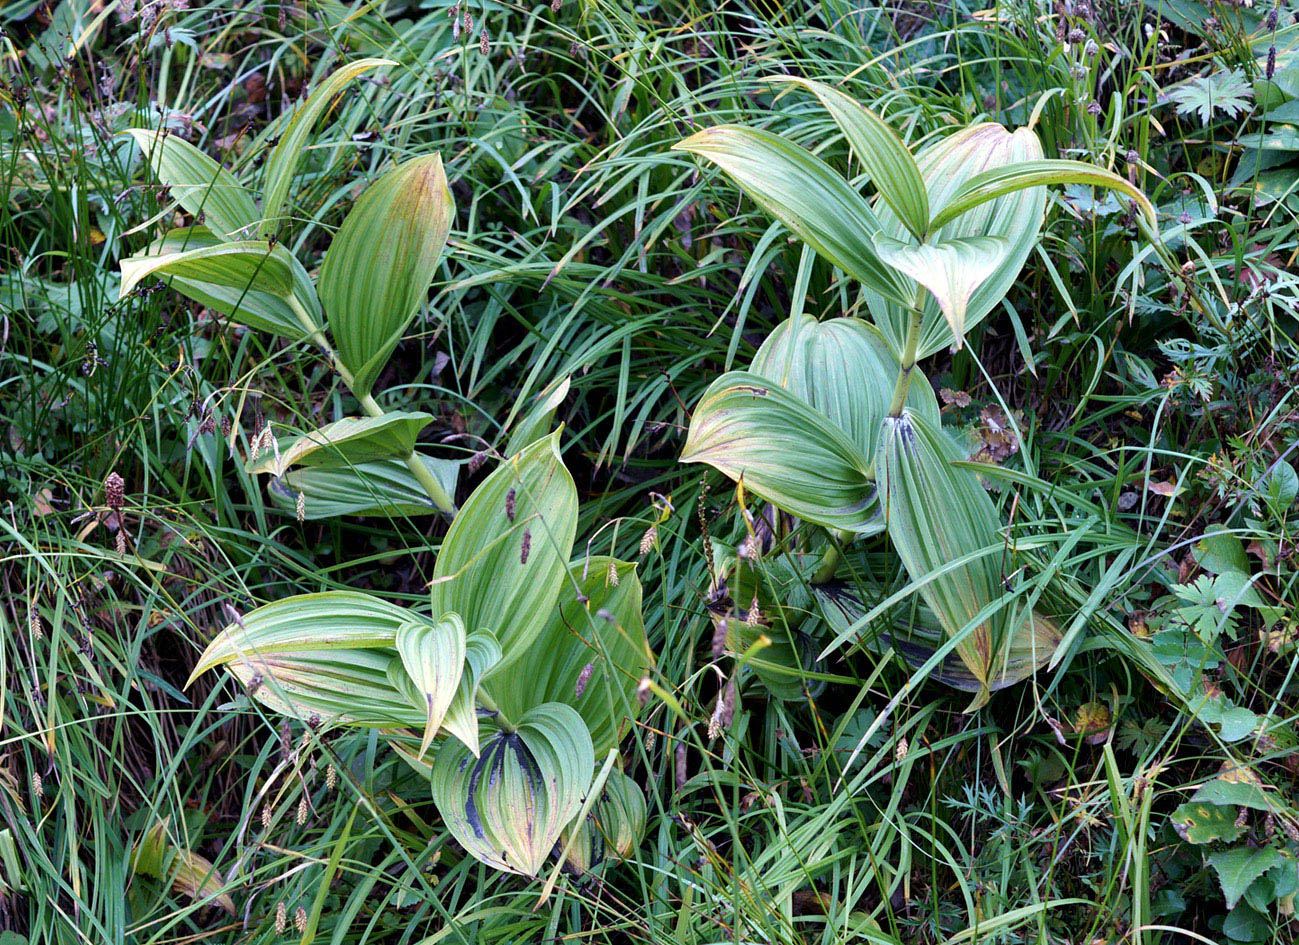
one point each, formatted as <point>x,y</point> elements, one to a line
<point>381,263</point>
<point>753,430</point>
<point>351,441</point>
<point>1238,867</point>
<point>199,184</point>
<point>802,192</point>
<point>597,632</point>
<point>480,574</point>
<point>432,653</point>
<point>509,806</point>
<point>882,154</point>
<point>283,162</point>
<point>951,270</point>
<point>385,488</point>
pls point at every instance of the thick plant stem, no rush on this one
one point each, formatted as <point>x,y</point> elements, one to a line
<point>416,465</point>
<point>915,320</point>
<point>829,563</point>
<point>431,486</point>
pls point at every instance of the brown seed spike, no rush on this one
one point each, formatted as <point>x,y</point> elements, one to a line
<point>525,548</point>
<point>509,505</point>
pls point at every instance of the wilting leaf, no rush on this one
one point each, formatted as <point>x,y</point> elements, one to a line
<point>591,654</point>
<point>842,368</point>
<point>378,269</point>
<point>802,192</point>
<point>348,442</point>
<point>946,531</point>
<point>433,655</point>
<point>951,270</point>
<point>614,827</point>
<point>247,306</point>
<point>188,873</point>
<point>508,806</point>
<point>1200,822</point>
<point>529,500</point>
<point>202,186</point>
<point>1015,217</point>
<point>785,452</point>
<point>386,488</point>
<point>882,154</point>
<point>283,162</point>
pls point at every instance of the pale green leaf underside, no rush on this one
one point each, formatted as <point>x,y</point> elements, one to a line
<point>349,442</point>
<point>433,655</point>
<point>383,488</point>
<point>951,270</point>
<point>199,184</point>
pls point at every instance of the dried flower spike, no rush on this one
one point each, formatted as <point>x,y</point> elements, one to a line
<point>583,678</point>
<point>613,573</point>
<point>114,490</point>
<point>509,504</point>
<point>300,919</point>
<point>525,547</point>
<point>331,777</point>
<point>304,810</point>
<point>648,539</point>
<point>281,918</point>
<point>301,507</point>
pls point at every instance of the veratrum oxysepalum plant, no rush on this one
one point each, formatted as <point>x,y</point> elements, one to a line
<point>829,423</point>
<point>521,671</point>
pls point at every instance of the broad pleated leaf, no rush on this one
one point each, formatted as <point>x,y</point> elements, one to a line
<point>283,162</point>
<point>433,656</point>
<point>539,419</point>
<point>305,623</point>
<point>612,830</point>
<point>778,662</point>
<point>937,514</point>
<point>199,184</point>
<point>591,654</point>
<point>842,368</point>
<point>916,635</point>
<point>381,263</point>
<point>882,154</point>
<point>247,306</point>
<point>802,192</point>
<point>350,441</point>
<point>385,488</point>
<point>785,452</point>
<point>1000,181</point>
<point>951,270</point>
<point>482,652</point>
<point>529,500</point>
<point>508,806</point>
<point>1017,217</point>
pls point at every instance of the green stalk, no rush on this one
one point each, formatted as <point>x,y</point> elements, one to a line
<point>915,319</point>
<point>431,486</point>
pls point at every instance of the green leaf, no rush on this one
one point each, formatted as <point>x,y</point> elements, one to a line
<point>539,418</point>
<point>379,268</point>
<point>530,499</point>
<point>317,655</point>
<point>509,806</point>
<point>802,192</point>
<point>1017,218</point>
<point>952,270</point>
<point>1237,723</point>
<point>1000,181</point>
<point>1238,867</point>
<point>1240,793</point>
<point>202,186</point>
<point>843,369</point>
<point>1202,823</point>
<point>433,655</point>
<point>785,452</point>
<point>348,442</point>
<point>882,154</point>
<point>283,162</point>
<point>947,533</point>
<point>386,488</point>
<point>614,827</point>
<point>482,652</point>
<point>596,632</point>
<point>253,307</point>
